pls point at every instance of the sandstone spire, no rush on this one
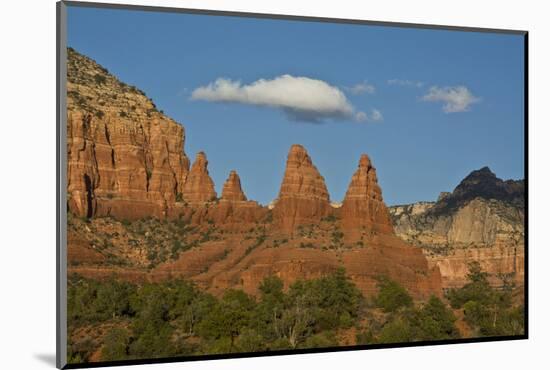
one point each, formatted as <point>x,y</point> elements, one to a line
<point>303,197</point>
<point>232,190</point>
<point>199,187</point>
<point>363,209</point>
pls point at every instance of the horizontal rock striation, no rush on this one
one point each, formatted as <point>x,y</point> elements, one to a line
<point>303,197</point>
<point>481,220</point>
<point>125,158</point>
<point>199,187</point>
<point>363,208</point>
<point>232,190</point>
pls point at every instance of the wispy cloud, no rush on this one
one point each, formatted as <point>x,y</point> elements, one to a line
<point>361,88</point>
<point>361,116</point>
<point>411,83</point>
<point>374,116</point>
<point>301,98</point>
<point>455,99</point>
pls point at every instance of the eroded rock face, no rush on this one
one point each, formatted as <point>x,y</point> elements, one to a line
<point>363,209</point>
<point>199,187</point>
<point>303,197</point>
<point>125,158</point>
<point>232,190</point>
<point>233,211</point>
<point>481,220</point>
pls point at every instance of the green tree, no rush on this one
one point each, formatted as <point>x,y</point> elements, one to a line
<point>364,337</point>
<point>339,299</point>
<point>392,296</point>
<point>250,341</point>
<point>435,321</point>
<point>229,317</point>
<point>488,310</point>
<point>322,340</point>
<point>151,328</point>
<point>270,307</point>
<point>477,289</point>
<point>113,298</point>
<point>398,330</point>
<point>115,345</point>
<point>188,305</point>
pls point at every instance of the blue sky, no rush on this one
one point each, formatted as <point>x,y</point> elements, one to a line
<point>428,106</point>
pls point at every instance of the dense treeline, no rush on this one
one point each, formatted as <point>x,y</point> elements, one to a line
<point>489,311</point>
<point>176,318</point>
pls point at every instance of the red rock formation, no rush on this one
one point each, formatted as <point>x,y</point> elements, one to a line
<point>199,187</point>
<point>232,212</point>
<point>111,175</point>
<point>232,190</point>
<point>303,197</point>
<point>124,158</point>
<point>384,255</point>
<point>363,210</point>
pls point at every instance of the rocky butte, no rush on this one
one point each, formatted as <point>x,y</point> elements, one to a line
<point>481,220</point>
<point>125,158</point>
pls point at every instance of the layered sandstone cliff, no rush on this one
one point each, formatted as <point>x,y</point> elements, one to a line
<point>303,197</point>
<point>125,158</point>
<point>481,220</point>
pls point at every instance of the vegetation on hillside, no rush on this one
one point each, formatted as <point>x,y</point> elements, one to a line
<point>113,320</point>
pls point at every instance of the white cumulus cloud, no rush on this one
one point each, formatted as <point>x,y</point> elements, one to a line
<point>455,99</point>
<point>301,98</point>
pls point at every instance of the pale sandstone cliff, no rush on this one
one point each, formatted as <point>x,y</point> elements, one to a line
<point>482,220</point>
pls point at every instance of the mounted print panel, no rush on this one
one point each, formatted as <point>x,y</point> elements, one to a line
<point>237,185</point>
